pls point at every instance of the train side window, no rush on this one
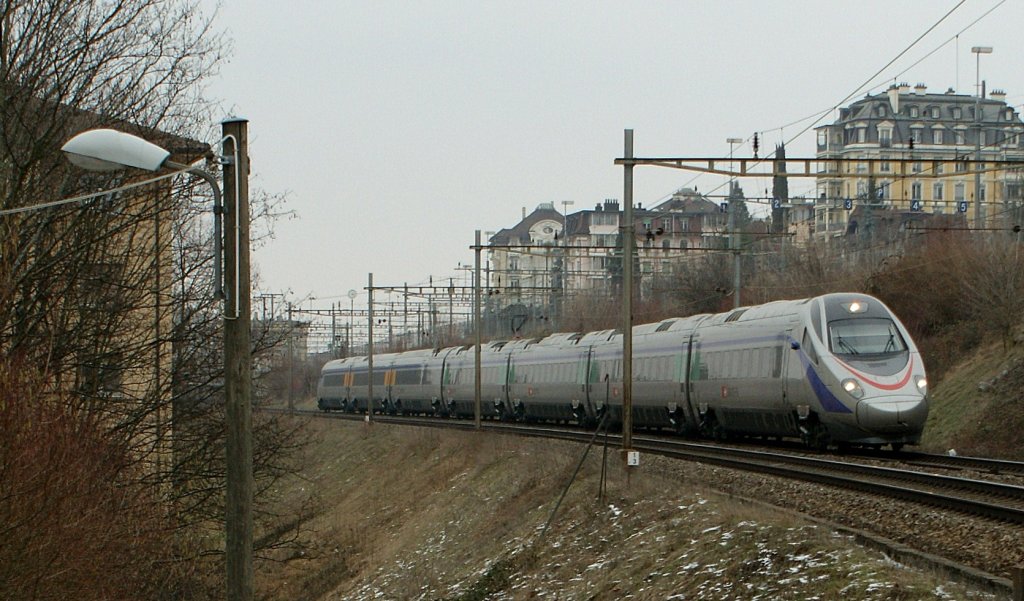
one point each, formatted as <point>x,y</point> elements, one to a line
<point>808,347</point>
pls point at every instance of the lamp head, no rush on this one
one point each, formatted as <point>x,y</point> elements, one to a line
<point>109,149</point>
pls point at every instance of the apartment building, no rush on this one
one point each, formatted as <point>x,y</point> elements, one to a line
<point>921,153</point>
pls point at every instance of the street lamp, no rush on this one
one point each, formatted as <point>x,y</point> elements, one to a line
<point>978,51</point>
<point>108,149</point>
<point>732,227</point>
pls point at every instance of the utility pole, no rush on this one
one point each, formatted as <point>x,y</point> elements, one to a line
<point>627,299</point>
<point>978,51</point>
<point>334,333</point>
<point>238,363</point>
<point>291,358</point>
<point>369,349</point>
<point>476,328</point>
<point>733,239</point>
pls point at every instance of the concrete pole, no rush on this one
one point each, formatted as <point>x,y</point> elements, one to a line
<point>291,360</point>
<point>978,51</point>
<point>369,350</point>
<point>477,330</point>
<point>334,333</point>
<point>627,298</point>
<point>733,238</point>
<point>237,363</point>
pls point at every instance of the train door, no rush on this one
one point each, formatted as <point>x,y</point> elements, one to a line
<point>503,405</point>
<point>696,373</point>
<point>586,376</point>
<point>687,417</point>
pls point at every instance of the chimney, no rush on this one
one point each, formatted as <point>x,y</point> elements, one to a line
<point>611,204</point>
<point>598,207</point>
<point>894,98</point>
<point>998,94</point>
<point>524,213</point>
<point>904,88</point>
<point>920,89</point>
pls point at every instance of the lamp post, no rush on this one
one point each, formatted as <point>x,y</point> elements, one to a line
<point>978,51</point>
<point>107,150</point>
<point>733,245</point>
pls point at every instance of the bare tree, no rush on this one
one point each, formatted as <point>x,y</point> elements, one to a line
<point>109,301</point>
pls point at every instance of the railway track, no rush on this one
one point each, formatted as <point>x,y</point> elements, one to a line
<point>978,497</point>
<point>907,504</point>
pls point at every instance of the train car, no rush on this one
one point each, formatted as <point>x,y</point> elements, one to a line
<point>838,369</point>
<point>333,389</point>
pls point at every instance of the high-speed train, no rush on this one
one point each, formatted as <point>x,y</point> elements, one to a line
<point>838,369</point>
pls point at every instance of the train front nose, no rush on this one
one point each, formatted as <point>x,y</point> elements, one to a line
<point>895,414</point>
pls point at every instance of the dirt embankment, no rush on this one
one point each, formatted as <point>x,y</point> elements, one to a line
<point>408,513</point>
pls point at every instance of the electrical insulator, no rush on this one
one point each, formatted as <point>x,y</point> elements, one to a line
<point>756,145</point>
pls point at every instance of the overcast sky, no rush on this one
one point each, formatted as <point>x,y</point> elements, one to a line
<point>397,128</point>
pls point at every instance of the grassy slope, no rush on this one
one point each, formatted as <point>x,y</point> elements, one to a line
<point>407,513</point>
<point>978,408</point>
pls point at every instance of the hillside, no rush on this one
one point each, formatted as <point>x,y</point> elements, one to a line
<point>411,513</point>
<point>978,407</point>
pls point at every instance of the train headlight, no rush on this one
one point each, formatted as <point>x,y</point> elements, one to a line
<point>922,384</point>
<point>853,387</point>
<point>857,306</point>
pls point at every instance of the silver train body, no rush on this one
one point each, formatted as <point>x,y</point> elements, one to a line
<point>838,369</point>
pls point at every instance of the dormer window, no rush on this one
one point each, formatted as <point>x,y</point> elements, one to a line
<point>958,112</point>
<point>936,136</point>
<point>884,137</point>
<point>913,111</point>
<point>934,112</point>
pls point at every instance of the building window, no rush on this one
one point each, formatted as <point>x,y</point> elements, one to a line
<point>913,111</point>
<point>958,113</point>
<point>935,112</point>
<point>884,137</point>
<point>961,136</point>
<point>916,135</point>
<point>961,166</point>
<point>981,192</point>
<point>861,134</point>
<point>936,136</point>
<point>939,166</point>
<point>915,191</point>
<point>916,167</point>
<point>937,189</point>
<point>958,191</point>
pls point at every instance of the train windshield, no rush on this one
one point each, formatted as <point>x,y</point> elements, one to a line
<point>865,336</point>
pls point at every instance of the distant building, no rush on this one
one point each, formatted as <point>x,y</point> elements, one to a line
<point>922,147</point>
<point>546,256</point>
